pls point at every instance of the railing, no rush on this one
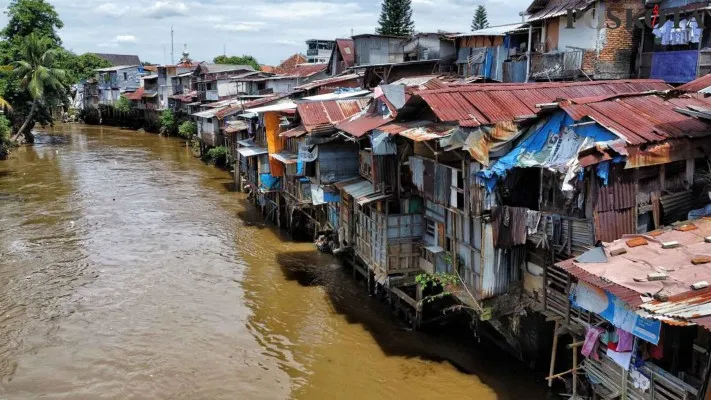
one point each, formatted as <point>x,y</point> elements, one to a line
<point>556,65</point>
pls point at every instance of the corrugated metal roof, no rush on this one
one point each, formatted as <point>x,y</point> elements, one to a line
<point>252,151</point>
<point>499,30</point>
<point>185,98</point>
<point>285,157</point>
<point>423,82</point>
<point>544,9</point>
<point>294,132</point>
<point>359,125</point>
<point>325,114</point>
<point>345,46</point>
<point>236,126</point>
<point>135,95</point>
<point>357,188</point>
<point>484,104</point>
<point>336,96</point>
<point>643,118</point>
<point>625,275</point>
<point>327,81</point>
<point>419,131</point>
<point>697,85</point>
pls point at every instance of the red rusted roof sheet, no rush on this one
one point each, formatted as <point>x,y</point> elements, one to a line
<point>294,132</point>
<point>135,95</point>
<point>325,114</point>
<point>358,126</point>
<point>643,118</point>
<point>696,85</point>
<point>483,104</point>
<point>345,46</point>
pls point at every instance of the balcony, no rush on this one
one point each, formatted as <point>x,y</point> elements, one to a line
<point>179,89</point>
<point>301,191</point>
<point>556,65</point>
<point>209,95</point>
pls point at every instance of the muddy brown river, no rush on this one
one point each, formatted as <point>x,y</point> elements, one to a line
<point>130,270</point>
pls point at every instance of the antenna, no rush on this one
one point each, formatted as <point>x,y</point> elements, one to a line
<point>224,50</point>
<point>172,49</point>
<point>351,32</point>
<point>165,60</point>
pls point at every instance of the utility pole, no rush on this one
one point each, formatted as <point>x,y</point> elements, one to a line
<point>224,50</point>
<point>172,49</point>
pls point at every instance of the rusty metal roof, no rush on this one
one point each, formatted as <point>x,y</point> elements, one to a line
<point>319,115</point>
<point>419,131</point>
<point>642,118</point>
<point>135,95</point>
<point>697,85</point>
<point>327,81</point>
<point>486,104</point>
<point>294,132</point>
<point>360,124</point>
<point>345,46</point>
<point>544,9</point>
<point>625,275</point>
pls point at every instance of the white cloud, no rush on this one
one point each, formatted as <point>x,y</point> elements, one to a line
<point>240,27</point>
<point>125,39</point>
<point>165,9</point>
<point>111,10</point>
<point>300,10</point>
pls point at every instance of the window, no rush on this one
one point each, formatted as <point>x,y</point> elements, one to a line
<point>125,76</point>
<point>347,50</point>
<point>209,120</point>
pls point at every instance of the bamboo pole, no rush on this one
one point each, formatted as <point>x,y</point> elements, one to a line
<point>553,354</point>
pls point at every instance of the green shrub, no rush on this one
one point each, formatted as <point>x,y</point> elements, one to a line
<point>5,137</point>
<point>123,104</point>
<point>187,129</point>
<point>217,156</point>
<point>167,120</point>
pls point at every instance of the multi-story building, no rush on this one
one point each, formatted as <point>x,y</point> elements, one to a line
<point>319,51</point>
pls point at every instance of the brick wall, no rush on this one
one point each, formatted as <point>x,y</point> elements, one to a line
<point>620,47</point>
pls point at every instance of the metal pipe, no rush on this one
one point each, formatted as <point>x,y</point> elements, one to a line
<point>528,53</point>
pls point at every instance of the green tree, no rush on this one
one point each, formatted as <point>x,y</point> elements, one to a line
<point>36,70</point>
<point>167,120</point>
<point>123,104</point>
<point>187,129</point>
<point>237,60</point>
<point>79,67</point>
<point>5,142</point>
<point>396,18</point>
<point>480,20</point>
<point>32,16</point>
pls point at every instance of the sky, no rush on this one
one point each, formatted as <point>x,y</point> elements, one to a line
<point>269,30</point>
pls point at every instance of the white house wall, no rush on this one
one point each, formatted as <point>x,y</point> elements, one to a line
<point>585,34</point>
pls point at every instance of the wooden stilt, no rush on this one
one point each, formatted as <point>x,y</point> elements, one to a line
<point>575,370</point>
<point>554,351</point>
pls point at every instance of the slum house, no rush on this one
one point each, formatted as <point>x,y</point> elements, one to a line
<point>637,312</point>
<point>169,83</point>
<point>342,57</point>
<point>466,217</point>
<point>185,96</point>
<point>336,84</point>
<point>496,53</point>
<point>315,157</point>
<point>677,54</point>
<point>288,80</point>
<point>214,83</point>
<point>112,82</point>
<point>384,59</point>
<point>251,83</point>
<point>587,51</point>
<point>239,128</point>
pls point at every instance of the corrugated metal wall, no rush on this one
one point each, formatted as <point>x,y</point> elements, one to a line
<point>615,209</point>
<point>337,162</point>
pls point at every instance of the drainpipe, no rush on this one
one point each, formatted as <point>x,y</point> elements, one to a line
<point>528,53</point>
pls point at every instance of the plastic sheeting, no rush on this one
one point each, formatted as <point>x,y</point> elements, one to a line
<point>269,182</point>
<point>307,153</point>
<point>552,143</point>
<point>382,144</point>
<point>275,144</point>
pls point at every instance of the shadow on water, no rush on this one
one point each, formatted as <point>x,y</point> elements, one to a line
<point>453,343</point>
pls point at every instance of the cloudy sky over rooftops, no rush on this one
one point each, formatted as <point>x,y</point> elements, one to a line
<point>269,30</point>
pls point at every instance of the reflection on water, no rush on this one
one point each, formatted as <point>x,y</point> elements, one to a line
<point>128,269</point>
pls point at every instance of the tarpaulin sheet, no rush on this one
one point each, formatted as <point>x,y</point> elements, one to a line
<point>307,153</point>
<point>552,143</point>
<point>269,182</point>
<point>675,66</point>
<point>275,144</point>
<point>382,144</point>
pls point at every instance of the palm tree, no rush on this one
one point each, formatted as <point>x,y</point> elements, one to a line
<point>35,69</point>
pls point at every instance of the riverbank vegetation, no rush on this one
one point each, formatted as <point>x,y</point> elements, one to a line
<point>37,72</point>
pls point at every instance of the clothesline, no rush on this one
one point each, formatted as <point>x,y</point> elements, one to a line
<point>687,32</point>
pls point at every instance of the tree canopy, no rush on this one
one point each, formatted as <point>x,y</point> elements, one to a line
<point>79,67</point>
<point>396,18</point>
<point>480,20</point>
<point>32,16</point>
<point>237,60</point>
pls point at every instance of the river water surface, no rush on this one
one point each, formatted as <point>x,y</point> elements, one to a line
<point>130,270</point>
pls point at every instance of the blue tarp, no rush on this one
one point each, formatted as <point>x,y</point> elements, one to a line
<point>331,197</point>
<point>540,136</point>
<point>269,182</point>
<point>675,66</point>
